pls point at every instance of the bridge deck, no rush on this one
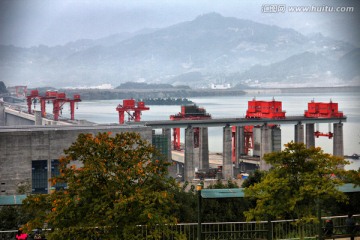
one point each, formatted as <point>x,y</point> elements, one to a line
<point>221,122</point>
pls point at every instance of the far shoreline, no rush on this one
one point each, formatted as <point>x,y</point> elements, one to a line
<point>112,94</point>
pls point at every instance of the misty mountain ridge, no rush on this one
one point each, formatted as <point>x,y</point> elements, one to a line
<point>208,49</point>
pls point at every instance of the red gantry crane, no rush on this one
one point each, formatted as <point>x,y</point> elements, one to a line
<point>323,110</point>
<point>129,106</point>
<point>188,112</point>
<point>33,97</point>
<point>58,100</point>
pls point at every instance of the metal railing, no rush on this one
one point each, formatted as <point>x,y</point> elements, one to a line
<point>9,234</point>
<point>287,229</point>
<point>235,230</point>
<point>282,229</point>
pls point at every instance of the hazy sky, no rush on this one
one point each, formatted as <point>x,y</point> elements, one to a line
<point>54,22</point>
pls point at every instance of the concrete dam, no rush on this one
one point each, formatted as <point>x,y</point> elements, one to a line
<point>31,144</point>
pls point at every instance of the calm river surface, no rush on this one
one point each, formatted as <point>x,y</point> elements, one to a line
<point>104,111</point>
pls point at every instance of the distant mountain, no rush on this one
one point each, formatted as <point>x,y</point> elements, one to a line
<point>108,41</point>
<point>348,67</point>
<point>307,69</point>
<point>195,53</point>
<point>190,78</point>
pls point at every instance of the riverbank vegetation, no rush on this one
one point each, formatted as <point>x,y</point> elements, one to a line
<point>166,101</point>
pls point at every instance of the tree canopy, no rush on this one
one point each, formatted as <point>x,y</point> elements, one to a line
<point>3,87</point>
<point>299,177</point>
<point>113,185</point>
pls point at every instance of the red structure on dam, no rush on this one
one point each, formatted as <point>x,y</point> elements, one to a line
<point>257,109</point>
<point>265,109</point>
<point>132,108</point>
<point>188,112</point>
<point>323,110</point>
<point>57,98</point>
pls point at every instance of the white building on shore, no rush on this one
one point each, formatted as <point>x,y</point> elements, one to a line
<point>220,86</point>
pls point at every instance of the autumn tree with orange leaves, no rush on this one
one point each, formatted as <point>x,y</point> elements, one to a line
<point>114,184</point>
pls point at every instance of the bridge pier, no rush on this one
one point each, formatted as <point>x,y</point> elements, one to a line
<point>276,139</point>
<point>227,170</point>
<point>239,144</point>
<point>180,169</point>
<point>195,158</point>
<point>299,133</point>
<point>167,133</point>
<point>204,149</point>
<point>2,114</point>
<point>189,170</point>
<point>265,146</point>
<point>338,140</point>
<point>310,137</point>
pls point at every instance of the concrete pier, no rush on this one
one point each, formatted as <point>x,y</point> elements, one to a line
<point>276,139</point>
<point>310,137</point>
<point>265,146</point>
<point>189,169</point>
<point>299,133</point>
<point>204,149</point>
<point>257,141</point>
<point>239,144</point>
<point>167,133</point>
<point>338,138</point>
<point>227,170</point>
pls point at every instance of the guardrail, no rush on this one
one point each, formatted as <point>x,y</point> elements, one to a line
<point>9,234</point>
<point>282,229</point>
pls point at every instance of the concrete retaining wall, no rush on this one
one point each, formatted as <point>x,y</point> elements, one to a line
<point>20,146</point>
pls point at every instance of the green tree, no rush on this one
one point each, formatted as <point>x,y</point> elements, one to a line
<point>13,217</point>
<point>298,179</point>
<point>35,209</point>
<point>220,185</point>
<point>187,201</point>
<point>114,184</point>
<point>353,176</point>
<point>9,218</point>
<point>253,178</point>
<point>3,87</point>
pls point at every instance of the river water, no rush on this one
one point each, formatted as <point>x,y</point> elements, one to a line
<point>104,111</point>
